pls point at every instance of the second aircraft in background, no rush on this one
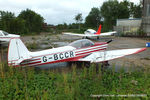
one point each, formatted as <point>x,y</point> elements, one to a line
<point>92,33</point>
<point>5,37</point>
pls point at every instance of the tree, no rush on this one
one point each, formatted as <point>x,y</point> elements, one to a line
<point>18,26</point>
<point>11,24</point>
<point>27,21</point>
<point>33,21</point>
<point>136,10</point>
<point>6,19</point>
<point>78,19</point>
<point>94,18</point>
<point>112,10</point>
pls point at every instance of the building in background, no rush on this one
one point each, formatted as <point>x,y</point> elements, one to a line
<point>133,25</point>
<point>128,26</point>
<point>146,17</point>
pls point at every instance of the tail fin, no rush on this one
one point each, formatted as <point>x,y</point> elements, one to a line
<point>99,29</point>
<point>17,52</point>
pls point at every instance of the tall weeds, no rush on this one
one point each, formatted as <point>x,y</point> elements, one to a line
<point>78,83</point>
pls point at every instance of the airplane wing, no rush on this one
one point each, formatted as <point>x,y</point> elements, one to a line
<point>107,33</point>
<point>110,55</point>
<point>82,35</point>
<point>74,34</point>
<point>90,35</point>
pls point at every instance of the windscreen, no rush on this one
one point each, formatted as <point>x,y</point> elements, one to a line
<point>81,43</point>
<point>5,33</point>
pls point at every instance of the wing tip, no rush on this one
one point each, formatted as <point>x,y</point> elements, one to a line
<point>142,49</point>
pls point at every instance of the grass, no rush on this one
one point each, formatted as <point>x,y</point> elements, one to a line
<point>32,45</point>
<point>78,83</point>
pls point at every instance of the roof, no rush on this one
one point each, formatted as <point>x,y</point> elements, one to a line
<point>129,19</point>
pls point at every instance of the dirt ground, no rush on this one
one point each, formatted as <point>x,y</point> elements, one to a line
<point>45,41</point>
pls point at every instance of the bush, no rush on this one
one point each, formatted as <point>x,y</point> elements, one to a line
<point>141,33</point>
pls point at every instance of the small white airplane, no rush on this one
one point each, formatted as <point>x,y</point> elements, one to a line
<point>92,33</point>
<point>82,50</point>
<point>5,37</point>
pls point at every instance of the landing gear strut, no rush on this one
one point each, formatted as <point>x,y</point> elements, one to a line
<point>84,37</point>
<point>103,66</point>
<point>97,37</point>
<point>80,64</point>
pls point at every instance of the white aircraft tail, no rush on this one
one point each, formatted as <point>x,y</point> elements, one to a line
<point>17,52</point>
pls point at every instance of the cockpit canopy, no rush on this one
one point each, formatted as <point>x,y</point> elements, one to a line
<point>90,31</point>
<point>81,43</point>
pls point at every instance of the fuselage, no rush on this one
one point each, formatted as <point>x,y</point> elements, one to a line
<point>90,32</point>
<point>62,54</point>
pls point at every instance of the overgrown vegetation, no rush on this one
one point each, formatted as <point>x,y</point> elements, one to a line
<point>80,84</point>
<point>32,45</point>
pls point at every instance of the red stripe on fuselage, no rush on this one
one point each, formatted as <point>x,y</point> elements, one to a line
<point>91,49</point>
<point>30,63</point>
<point>58,61</point>
<point>26,59</point>
<point>64,60</point>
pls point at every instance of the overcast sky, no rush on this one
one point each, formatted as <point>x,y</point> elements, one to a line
<point>53,11</point>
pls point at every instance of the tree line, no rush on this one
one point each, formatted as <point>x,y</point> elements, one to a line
<point>29,21</point>
<point>107,15</point>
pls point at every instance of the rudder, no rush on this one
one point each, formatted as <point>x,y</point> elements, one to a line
<point>99,29</point>
<point>17,52</point>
